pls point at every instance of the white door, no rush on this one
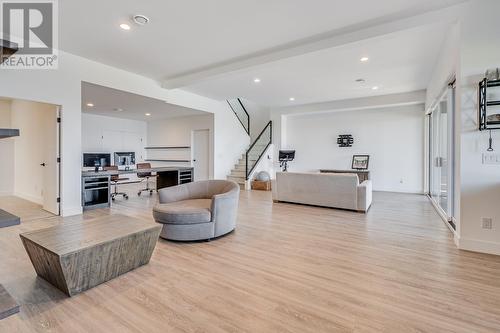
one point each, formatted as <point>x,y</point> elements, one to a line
<point>51,164</point>
<point>201,154</point>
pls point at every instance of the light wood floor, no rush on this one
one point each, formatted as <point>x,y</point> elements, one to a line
<point>287,268</point>
<point>25,209</point>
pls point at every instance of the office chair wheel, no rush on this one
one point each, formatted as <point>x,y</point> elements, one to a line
<point>126,197</point>
<point>113,198</point>
<point>151,192</point>
<point>139,193</point>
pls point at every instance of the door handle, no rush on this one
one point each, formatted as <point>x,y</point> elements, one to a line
<point>42,164</point>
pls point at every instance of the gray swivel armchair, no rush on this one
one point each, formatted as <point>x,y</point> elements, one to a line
<point>197,211</point>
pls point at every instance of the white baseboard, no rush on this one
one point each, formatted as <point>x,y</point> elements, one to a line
<point>400,192</point>
<point>71,211</point>
<point>478,246</point>
<point>29,197</point>
<point>456,240</point>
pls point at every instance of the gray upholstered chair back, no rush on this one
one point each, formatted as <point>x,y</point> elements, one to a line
<point>205,189</point>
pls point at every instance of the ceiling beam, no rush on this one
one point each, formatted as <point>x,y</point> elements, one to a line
<point>362,103</point>
<point>370,29</point>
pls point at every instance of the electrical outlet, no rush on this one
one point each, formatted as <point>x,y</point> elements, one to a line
<point>487,223</point>
<point>491,158</point>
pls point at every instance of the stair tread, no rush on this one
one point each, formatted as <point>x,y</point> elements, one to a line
<point>238,173</point>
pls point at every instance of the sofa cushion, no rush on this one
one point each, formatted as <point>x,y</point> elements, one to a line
<point>190,211</point>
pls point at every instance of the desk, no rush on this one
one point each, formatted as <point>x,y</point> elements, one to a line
<point>96,185</point>
<point>362,174</point>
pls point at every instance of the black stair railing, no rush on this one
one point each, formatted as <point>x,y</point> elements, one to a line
<point>258,148</point>
<point>241,113</point>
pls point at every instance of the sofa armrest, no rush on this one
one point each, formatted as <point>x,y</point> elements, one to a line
<point>364,195</point>
<point>274,189</point>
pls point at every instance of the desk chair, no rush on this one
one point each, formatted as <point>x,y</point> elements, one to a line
<point>114,181</point>
<point>145,175</point>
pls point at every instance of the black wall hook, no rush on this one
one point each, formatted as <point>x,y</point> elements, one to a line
<point>490,147</point>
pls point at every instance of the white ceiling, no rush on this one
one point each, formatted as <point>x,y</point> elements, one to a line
<point>107,100</point>
<point>189,35</point>
<point>399,62</point>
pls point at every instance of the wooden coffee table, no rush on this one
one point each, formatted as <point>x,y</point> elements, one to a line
<point>76,256</point>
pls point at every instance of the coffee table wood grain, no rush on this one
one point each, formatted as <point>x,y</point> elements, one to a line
<point>79,255</point>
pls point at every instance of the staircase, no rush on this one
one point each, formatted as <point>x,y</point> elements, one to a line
<point>249,160</point>
<point>238,173</point>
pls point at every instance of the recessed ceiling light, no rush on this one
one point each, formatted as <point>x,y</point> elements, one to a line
<point>90,105</point>
<point>292,99</point>
<point>360,80</point>
<point>148,114</point>
<point>140,19</point>
<point>125,26</point>
<point>364,59</point>
<point>256,80</point>
<point>375,88</point>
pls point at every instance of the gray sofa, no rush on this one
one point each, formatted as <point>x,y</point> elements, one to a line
<point>197,211</point>
<point>323,189</point>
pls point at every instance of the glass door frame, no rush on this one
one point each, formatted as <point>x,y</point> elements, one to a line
<point>448,95</point>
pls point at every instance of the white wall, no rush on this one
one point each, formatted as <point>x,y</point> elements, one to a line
<point>110,134</point>
<point>6,152</point>
<point>178,132</point>
<point>63,87</point>
<point>230,142</point>
<point>230,139</point>
<point>259,117</point>
<point>31,147</point>
<point>447,67</point>
<point>393,137</point>
<point>480,184</point>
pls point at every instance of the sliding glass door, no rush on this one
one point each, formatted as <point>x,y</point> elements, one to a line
<point>441,153</point>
